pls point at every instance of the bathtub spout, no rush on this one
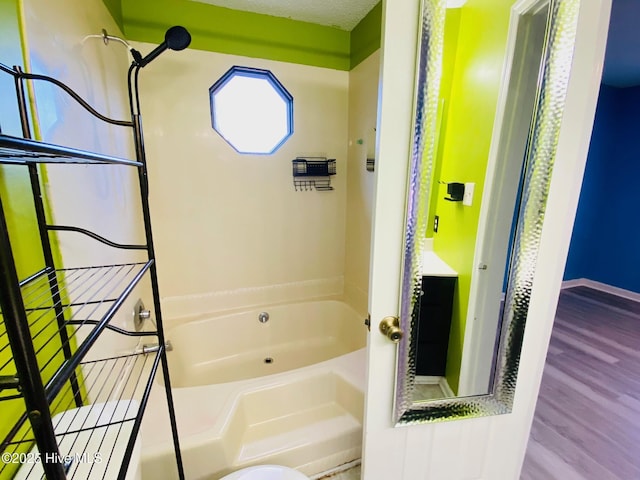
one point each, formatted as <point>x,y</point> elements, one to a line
<point>154,347</point>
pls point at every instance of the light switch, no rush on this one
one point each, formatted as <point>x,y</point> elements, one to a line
<point>467,199</point>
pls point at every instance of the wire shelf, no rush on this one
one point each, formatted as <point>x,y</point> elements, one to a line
<point>69,404</point>
<point>313,173</point>
<point>20,151</point>
<point>88,298</point>
<point>93,439</point>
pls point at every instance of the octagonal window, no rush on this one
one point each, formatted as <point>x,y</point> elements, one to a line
<point>251,110</point>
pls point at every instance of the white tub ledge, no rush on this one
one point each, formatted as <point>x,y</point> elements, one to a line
<point>270,419</point>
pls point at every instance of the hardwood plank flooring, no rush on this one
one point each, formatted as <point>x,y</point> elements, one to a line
<point>587,420</point>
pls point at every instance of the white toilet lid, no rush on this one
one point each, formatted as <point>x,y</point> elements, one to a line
<point>266,472</point>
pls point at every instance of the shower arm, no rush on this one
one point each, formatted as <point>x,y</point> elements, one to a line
<point>132,86</point>
<point>176,38</point>
<point>106,38</point>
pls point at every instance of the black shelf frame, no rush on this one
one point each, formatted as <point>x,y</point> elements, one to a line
<point>63,300</point>
<point>90,298</point>
<point>137,371</point>
<point>22,151</point>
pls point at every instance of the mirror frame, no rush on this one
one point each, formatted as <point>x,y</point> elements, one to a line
<point>539,159</point>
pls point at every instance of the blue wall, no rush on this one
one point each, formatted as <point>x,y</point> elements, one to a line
<point>605,246</point>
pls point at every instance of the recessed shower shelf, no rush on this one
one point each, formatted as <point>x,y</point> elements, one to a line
<point>313,173</point>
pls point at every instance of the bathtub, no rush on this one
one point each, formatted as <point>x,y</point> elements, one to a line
<point>235,347</point>
<point>287,391</point>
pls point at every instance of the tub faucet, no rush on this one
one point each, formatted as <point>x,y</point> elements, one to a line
<point>154,347</point>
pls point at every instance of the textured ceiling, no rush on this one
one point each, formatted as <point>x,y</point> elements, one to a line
<point>343,14</point>
<point>622,60</point>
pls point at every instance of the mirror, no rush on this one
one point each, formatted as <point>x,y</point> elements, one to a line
<point>491,83</point>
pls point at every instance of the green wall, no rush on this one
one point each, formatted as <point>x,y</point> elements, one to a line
<point>239,33</point>
<point>452,28</point>
<point>365,37</point>
<point>235,32</point>
<point>17,202</point>
<point>471,98</point>
<point>115,9</point>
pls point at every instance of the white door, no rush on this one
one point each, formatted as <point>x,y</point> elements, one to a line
<point>488,448</point>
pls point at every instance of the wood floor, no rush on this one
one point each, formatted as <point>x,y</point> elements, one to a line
<point>587,420</point>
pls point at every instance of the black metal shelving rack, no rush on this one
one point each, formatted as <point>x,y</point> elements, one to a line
<point>102,402</point>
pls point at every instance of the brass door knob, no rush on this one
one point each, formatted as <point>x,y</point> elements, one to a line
<point>390,328</point>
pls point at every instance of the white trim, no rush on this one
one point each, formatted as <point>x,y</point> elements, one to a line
<point>446,389</point>
<point>578,282</point>
<point>440,381</point>
<point>427,380</point>
<point>456,3</point>
<point>603,287</point>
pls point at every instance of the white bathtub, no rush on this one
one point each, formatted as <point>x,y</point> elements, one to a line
<point>303,410</point>
<point>238,346</point>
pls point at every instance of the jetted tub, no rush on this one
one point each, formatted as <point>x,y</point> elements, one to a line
<point>232,412</point>
<point>240,346</point>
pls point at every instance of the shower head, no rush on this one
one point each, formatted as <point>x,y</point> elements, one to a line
<point>176,38</point>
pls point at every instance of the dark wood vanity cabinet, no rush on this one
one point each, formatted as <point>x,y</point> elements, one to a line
<point>436,307</point>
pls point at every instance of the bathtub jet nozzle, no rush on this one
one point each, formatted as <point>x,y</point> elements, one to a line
<point>263,317</point>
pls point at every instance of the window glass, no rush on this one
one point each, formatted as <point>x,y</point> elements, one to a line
<point>251,110</point>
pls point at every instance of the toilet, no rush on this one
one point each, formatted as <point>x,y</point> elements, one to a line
<point>266,472</point>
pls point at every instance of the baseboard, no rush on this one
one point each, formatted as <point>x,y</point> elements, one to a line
<point>427,380</point>
<point>578,282</point>
<point>603,287</point>
<point>440,381</point>
<point>446,389</point>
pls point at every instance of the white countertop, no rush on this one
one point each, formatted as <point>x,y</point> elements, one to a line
<point>433,265</point>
